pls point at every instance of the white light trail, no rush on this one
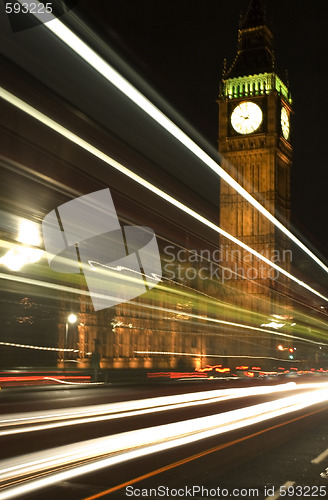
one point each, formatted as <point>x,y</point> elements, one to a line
<point>110,450</point>
<point>29,233</point>
<point>23,106</point>
<point>48,419</point>
<point>37,347</point>
<point>19,256</point>
<point>211,355</point>
<point>274,324</point>
<point>108,72</point>
<point>14,259</point>
<point>66,382</point>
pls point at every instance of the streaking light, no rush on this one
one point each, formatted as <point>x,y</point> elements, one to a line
<point>14,259</point>
<point>47,419</point>
<point>29,233</point>
<point>18,257</point>
<point>198,355</point>
<point>78,291</point>
<point>39,348</point>
<point>91,456</point>
<point>124,170</point>
<point>273,324</point>
<point>103,68</point>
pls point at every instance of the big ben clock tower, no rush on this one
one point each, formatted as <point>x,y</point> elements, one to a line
<point>255,142</point>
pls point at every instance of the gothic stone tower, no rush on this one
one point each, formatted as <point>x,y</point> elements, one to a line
<point>254,140</point>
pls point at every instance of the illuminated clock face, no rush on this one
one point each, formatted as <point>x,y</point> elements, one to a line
<point>284,119</point>
<point>246,117</point>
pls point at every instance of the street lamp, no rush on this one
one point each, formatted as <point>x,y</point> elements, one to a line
<point>72,318</point>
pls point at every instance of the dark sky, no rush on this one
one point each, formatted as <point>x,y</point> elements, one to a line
<point>179,46</point>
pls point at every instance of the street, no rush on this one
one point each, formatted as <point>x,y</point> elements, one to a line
<point>250,454</point>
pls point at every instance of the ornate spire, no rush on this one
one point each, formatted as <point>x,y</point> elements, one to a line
<point>255,15</point>
<point>255,44</point>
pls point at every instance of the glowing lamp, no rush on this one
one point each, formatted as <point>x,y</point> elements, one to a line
<point>72,318</point>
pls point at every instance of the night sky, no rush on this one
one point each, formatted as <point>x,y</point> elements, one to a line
<point>179,46</point>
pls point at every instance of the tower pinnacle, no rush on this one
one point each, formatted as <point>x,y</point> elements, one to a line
<point>255,52</point>
<point>255,15</point>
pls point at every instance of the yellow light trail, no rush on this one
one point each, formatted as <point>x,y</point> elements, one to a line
<point>77,291</point>
<point>156,308</point>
